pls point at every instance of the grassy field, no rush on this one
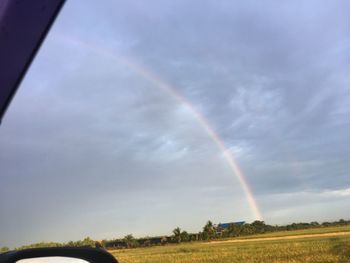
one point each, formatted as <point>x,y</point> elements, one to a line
<point>321,230</point>
<point>311,249</point>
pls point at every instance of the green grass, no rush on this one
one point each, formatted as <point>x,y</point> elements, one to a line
<point>320,249</point>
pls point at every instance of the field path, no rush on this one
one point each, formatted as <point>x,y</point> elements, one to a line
<point>345,233</point>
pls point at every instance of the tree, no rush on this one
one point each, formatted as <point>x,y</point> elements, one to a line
<point>185,237</point>
<point>259,226</point>
<point>4,249</point>
<point>130,241</point>
<point>234,230</point>
<point>177,235</point>
<point>208,231</point>
<point>314,224</point>
<point>88,242</point>
<point>341,222</point>
<point>104,243</point>
<point>247,229</point>
<point>194,237</point>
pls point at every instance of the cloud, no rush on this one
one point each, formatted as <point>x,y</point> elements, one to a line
<point>89,135</point>
<point>293,207</point>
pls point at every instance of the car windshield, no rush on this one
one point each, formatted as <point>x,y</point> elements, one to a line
<point>152,123</point>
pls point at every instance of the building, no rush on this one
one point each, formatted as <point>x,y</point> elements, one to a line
<point>223,226</point>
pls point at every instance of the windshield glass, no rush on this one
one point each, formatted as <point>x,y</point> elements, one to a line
<point>137,117</point>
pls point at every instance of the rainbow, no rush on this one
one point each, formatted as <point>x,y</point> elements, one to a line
<point>168,88</point>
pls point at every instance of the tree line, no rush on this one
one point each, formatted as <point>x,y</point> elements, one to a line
<point>209,231</point>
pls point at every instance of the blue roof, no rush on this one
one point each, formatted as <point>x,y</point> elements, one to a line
<point>227,225</point>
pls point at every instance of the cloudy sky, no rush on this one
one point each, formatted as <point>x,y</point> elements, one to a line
<point>103,138</point>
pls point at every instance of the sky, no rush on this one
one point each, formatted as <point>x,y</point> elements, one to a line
<point>108,133</point>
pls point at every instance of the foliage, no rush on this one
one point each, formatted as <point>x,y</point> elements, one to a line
<point>210,232</point>
<point>86,242</point>
<point>4,249</point>
<point>177,235</point>
<point>130,241</point>
<point>185,237</point>
<point>42,244</point>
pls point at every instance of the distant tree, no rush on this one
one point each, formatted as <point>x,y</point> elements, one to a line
<point>326,224</point>
<point>104,243</point>
<point>204,235</point>
<point>258,226</point>
<point>194,237</point>
<point>88,242</point>
<point>185,237</point>
<point>314,224</point>
<point>70,244</point>
<point>41,244</point>
<point>234,230</point>
<point>130,241</point>
<point>341,222</point>
<point>4,249</point>
<point>177,235</point>
<point>247,229</point>
<point>208,231</point>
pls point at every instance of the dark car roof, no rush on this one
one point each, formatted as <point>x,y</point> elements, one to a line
<point>23,27</point>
